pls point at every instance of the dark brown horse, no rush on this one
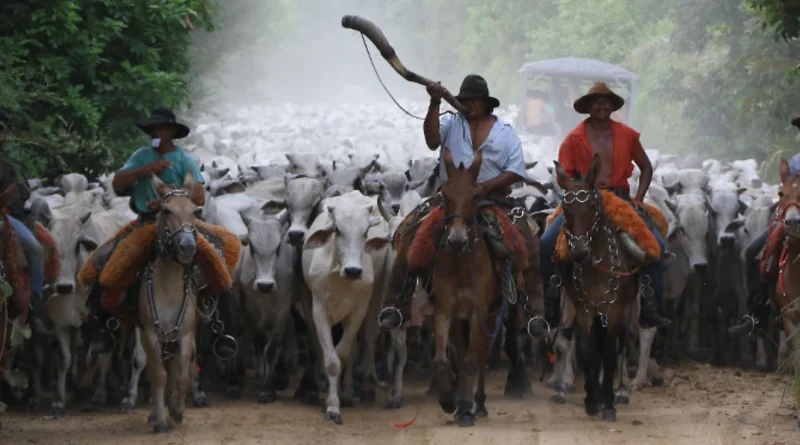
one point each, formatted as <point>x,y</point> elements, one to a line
<point>466,296</point>
<point>600,286</point>
<point>787,290</point>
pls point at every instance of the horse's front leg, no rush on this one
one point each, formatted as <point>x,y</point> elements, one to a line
<point>589,361</point>
<point>181,364</point>
<point>609,372</point>
<point>158,380</point>
<point>138,363</point>
<point>398,339</point>
<point>443,373</point>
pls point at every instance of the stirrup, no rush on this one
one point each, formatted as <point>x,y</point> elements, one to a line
<point>528,328</point>
<point>216,346</point>
<point>389,309</point>
<point>752,320</point>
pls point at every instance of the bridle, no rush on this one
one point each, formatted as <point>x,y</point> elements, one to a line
<point>472,224</point>
<point>166,244</point>
<point>582,197</point>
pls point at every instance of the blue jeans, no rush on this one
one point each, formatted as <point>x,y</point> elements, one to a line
<point>547,246</point>
<point>34,253</point>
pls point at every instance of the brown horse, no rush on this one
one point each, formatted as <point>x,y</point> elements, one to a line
<point>466,296</point>
<point>600,287</point>
<point>167,304</point>
<point>787,291</point>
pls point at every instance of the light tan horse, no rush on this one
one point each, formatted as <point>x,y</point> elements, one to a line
<point>167,304</point>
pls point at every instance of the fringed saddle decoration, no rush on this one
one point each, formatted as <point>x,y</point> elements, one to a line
<point>624,218</point>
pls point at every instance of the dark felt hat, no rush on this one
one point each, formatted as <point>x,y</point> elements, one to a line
<point>796,121</point>
<point>475,87</point>
<point>163,116</point>
<point>597,90</point>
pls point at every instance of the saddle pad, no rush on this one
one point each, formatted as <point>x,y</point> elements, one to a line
<point>624,218</point>
<point>135,249</point>
<point>774,243</point>
<point>16,275</point>
<point>422,252</point>
<point>52,261</point>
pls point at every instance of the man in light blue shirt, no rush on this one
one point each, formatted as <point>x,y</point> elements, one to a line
<point>758,300</point>
<point>503,165</point>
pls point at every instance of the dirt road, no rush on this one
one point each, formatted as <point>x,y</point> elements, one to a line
<point>700,405</point>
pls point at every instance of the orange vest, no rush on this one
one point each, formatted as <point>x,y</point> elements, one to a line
<point>576,155</point>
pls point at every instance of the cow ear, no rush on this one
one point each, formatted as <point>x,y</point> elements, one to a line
<point>376,243</point>
<point>734,225</point>
<point>374,221</point>
<point>318,239</point>
<point>273,206</point>
<point>85,216</point>
<point>87,243</point>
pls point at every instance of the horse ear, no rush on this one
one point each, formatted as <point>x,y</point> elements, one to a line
<point>561,175</point>
<point>188,182</point>
<point>475,168</point>
<point>447,157</point>
<point>784,171</point>
<point>161,188</point>
<point>594,170</point>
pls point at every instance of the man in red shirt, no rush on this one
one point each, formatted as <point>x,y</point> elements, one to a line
<point>618,147</point>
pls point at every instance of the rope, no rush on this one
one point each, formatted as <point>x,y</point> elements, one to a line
<point>375,69</point>
<point>5,330</point>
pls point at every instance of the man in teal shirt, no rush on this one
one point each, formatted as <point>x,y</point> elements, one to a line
<point>168,161</point>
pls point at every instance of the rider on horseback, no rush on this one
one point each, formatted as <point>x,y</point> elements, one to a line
<point>757,285</point>
<point>170,163</point>
<point>21,218</point>
<point>503,165</point>
<point>618,147</point>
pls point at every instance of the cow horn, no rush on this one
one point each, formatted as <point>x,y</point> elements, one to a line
<point>631,248</point>
<point>382,210</point>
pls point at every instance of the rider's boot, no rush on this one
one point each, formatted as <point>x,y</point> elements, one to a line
<point>648,314</point>
<point>102,324</point>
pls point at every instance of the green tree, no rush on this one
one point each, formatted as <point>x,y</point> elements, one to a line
<point>75,75</point>
<point>783,16</point>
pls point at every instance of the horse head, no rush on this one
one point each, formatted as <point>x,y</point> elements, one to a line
<point>789,205</point>
<point>583,209</point>
<point>459,202</point>
<point>177,235</point>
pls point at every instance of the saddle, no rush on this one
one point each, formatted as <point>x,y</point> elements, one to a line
<point>769,256</point>
<point>15,270</point>
<point>625,219</point>
<point>114,266</point>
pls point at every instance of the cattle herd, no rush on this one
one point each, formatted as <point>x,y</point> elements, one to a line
<point>282,177</point>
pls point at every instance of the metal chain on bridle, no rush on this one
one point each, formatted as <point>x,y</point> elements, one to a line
<point>514,215</point>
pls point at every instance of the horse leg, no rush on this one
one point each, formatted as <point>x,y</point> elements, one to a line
<point>63,336</point>
<point>623,396</point>
<point>158,381</point>
<point>646,337</point>
<point>586,352</point>
<point>460,339</point>
<point>609,358</point>
<point>138,363</point>
<point>199,397</point>
<point>181,366</point>
<point>761,354</point>
<point>518,383</point>
<point>480,394</point>
<point>398,339</point>
<point>443,373</point>
<point>560,346</point>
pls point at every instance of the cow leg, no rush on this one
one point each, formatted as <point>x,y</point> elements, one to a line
<point>623,396</point>
<point>37,355</point>
<point>398,340</point>
<point>761,354</point>
<point>561,346</point>
<point>100,395</point>
<point>609,359</point>
<point>308,389</point>
<point>371,330</point>
<point>158,381</point>
<point>138,363</point>
<point>518,384</point>
<point>63,336</point>
<point>346,382</point>
<point>331,360</point>
<point>646,337</point>
<point>443,373</point>
<point>199,397</point>
<point>272,354</point>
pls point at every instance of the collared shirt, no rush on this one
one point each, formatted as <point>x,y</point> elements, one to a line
<point>576,154</point>
<point>144,190</point>
<point>794,164</point>
<point>501,151</point>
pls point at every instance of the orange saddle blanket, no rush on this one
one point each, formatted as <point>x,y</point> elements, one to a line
<point>422,252</point>
<point>624,218</point>
<point>135,248</point>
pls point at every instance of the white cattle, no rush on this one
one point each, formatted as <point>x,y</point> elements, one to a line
<point>303,194</point>
<point>342,261</point>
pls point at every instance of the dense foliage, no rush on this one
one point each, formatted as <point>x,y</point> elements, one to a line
<point>76,74</point>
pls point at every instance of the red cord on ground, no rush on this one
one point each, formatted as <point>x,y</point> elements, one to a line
<point>409,423</point>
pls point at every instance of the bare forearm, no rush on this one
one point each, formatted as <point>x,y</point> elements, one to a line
<point>125,179</point>
<point>431,126</point>
<point>644,183</point>
<point>501,182</point>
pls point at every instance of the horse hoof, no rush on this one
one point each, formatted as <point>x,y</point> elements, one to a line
<point>622,400</point>
<point>233,392</point>
<point>558,398</point>
<point>177,418</point>
<point>465,419</point>
<point>346,402</point>
<point>481,412</point>
<point>152,419</point>
<point>592,410</point>
<point>335,417</point>
<point>200,402</point>
<point>609,415</point>
<point>126,407</point>
<point>281,382</point>
<point>368,395</point>
<point>448,405</point>
<point>267,397</point>
<point>394,404</point>
<point>161,429</point>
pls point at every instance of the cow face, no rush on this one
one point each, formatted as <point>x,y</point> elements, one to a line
<point>72,247</point>
<point>265,242</point>
<point>302,196</point>
<point>692,233</point>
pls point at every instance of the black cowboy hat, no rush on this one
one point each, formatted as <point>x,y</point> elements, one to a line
<point>796,121</point>
<point>597,90</point>
<point>475,87</point>
<point>163,116</point>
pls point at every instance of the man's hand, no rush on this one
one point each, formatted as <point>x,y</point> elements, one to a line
<point>154,205</point>
<point>158,166</point>
<point>436,91</point>
<point>482,192</point>
<point>638,204</point>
